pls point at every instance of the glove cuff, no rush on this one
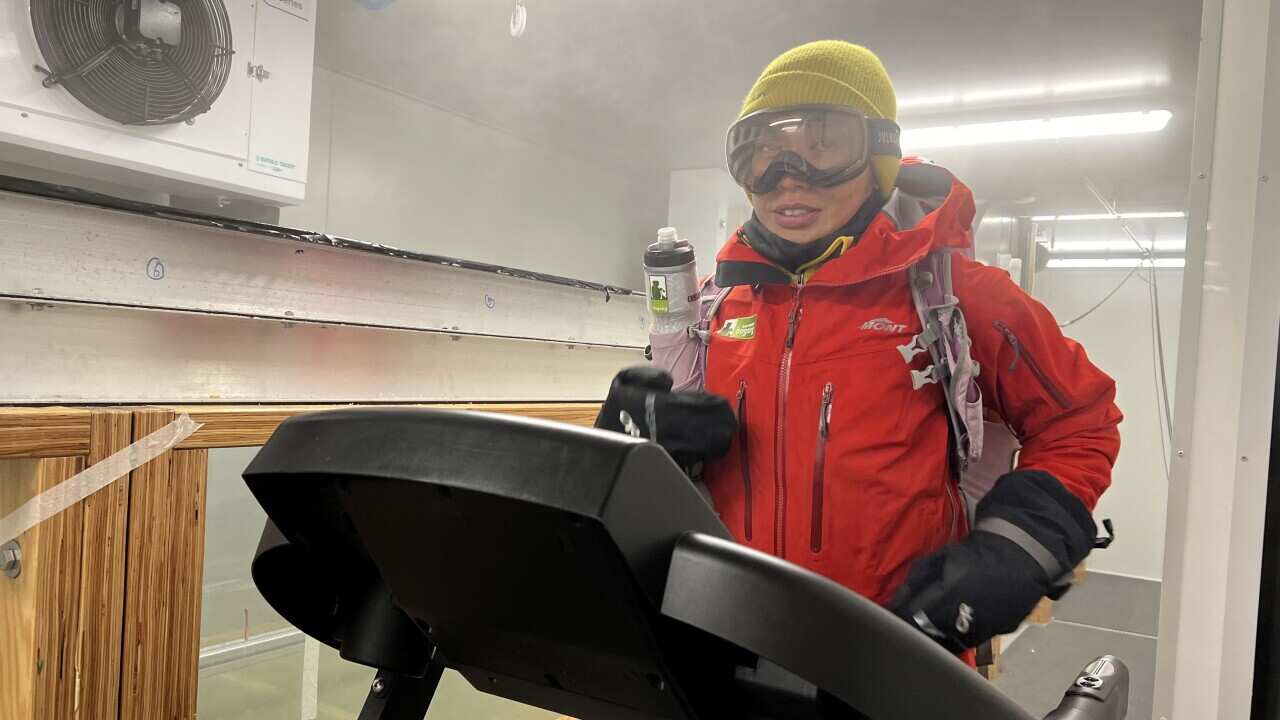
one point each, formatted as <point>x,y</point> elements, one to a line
<point>1031,509</point>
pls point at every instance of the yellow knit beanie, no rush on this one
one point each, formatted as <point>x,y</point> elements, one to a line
<point>830,72</point>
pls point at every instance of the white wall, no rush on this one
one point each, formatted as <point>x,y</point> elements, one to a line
<point>705,205</point>
<point>1118,338</point>
<point>392,169</point>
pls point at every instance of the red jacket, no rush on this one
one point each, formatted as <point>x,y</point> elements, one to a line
<point>840,466</point>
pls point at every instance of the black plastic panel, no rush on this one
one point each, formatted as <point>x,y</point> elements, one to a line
<point>826,634</point>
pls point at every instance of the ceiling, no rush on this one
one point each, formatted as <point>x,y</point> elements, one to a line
<point>652,84</point>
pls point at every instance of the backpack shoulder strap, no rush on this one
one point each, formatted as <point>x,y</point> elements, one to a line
<point>710,298</point>
<point>945,337</point>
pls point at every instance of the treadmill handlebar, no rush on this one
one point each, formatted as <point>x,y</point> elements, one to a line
<point>1100,692</point>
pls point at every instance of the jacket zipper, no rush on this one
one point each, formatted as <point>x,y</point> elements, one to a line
<point>784,381</point>
<point>956,506</point>
<point>820,467</point>
<point>1020,351</point>
<point>744,456</point>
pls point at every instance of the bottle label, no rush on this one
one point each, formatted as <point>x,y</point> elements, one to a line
<point>659,299</point>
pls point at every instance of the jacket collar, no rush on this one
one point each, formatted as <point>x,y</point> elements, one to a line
<point>929,210</point>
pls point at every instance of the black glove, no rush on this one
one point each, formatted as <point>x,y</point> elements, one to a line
<point>1030,533</point>
<point>691,426</point>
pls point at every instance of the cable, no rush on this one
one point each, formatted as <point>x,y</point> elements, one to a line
<point>1159,332</point>
<point>1104,299</point>
<point>1158,329</point>
<point>1155,357</point>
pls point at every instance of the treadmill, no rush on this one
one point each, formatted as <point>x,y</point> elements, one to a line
<point>579,571</point>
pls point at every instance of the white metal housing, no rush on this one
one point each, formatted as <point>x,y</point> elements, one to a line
<point>1226,372</point>
<point>252,144</point>
<point>105,305</point>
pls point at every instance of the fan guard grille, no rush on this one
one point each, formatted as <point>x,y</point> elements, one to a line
<point>129,78</point>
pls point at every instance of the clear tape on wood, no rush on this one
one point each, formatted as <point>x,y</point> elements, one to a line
<point>310,677</point>
<point>91,480</point>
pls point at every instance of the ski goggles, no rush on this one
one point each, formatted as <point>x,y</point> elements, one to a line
<point>824,145</point>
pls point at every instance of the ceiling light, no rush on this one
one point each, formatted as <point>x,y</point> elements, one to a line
<point>986,96</point>
<point>996,219</point>
<point>1118,246</point>
<point>1104,84</point>
<point>519,19</point>
<point>1086,86</point>
<point>1058,128</point>
<point>928,101</point>
<point>1104,216</point>
<point>1111,263</point>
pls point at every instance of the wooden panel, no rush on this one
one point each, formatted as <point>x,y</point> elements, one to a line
<point>58,604</point>
<point>190,472</point>
<point>39,610</point>
<point>102,573</point>
<point>19,481</point>
<point>1043,613</point>
<point>43,432</point>
<point>248,426</point>
<point>162,587</point>
<point>989,662</point>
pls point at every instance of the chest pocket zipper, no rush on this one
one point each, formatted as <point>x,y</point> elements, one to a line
<point>744,457</point>
<point>820,467</point>
<point>1020,353</point>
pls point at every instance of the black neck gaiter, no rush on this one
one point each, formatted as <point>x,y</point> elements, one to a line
<point>791,256</point>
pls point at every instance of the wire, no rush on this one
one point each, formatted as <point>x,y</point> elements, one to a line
<point>1104,299</point>
<point>1155,357</point>
<point>1159,331</point>
<point>1154,297</point>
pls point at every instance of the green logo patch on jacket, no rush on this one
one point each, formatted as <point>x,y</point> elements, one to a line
<point>743,328</point>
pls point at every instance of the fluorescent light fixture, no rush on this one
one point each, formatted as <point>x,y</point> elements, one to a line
<point>1059,128</point>
<point>1115,246</point>
<point>926,101</point>
<point>1111,263</point>
<point>1086,86</point>
<point>996,220</point>
<point>1105,216</point>
<point>1014,93</point>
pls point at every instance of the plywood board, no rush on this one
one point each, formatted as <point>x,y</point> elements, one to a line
<point>162,586</point>
<point>249,426</point>
<point>57,629</point>
<point>19,481</point>
<point>39,609</point>
<point>43,432</point>
<point>102,573</point>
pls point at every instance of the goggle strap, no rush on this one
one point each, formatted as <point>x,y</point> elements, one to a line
<point>886,137</point>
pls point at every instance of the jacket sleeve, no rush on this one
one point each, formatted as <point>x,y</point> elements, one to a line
<point>1058,403</point>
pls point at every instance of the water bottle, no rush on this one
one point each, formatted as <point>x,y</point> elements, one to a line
<point>671,283</point>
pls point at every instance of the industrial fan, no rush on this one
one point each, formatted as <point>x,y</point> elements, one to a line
<point>138,62</point>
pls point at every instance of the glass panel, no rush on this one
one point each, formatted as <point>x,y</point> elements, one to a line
<point>343,686</point>
<point>252,660</point>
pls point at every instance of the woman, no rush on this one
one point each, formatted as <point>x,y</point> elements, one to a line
<point>824,433</point>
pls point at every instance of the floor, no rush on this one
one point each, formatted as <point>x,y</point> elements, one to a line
<point>1107,614</point>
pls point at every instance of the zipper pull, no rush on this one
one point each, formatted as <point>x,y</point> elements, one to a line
<point>793,321</point>
<point>824,419</point>
<point>1012,339</point>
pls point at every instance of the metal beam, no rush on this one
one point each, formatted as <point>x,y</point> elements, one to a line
<point>1226,371</point>
<point>57,352</point>
<point>59,250</point>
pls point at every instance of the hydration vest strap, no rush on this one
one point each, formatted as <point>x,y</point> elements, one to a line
<point>946,337</point>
